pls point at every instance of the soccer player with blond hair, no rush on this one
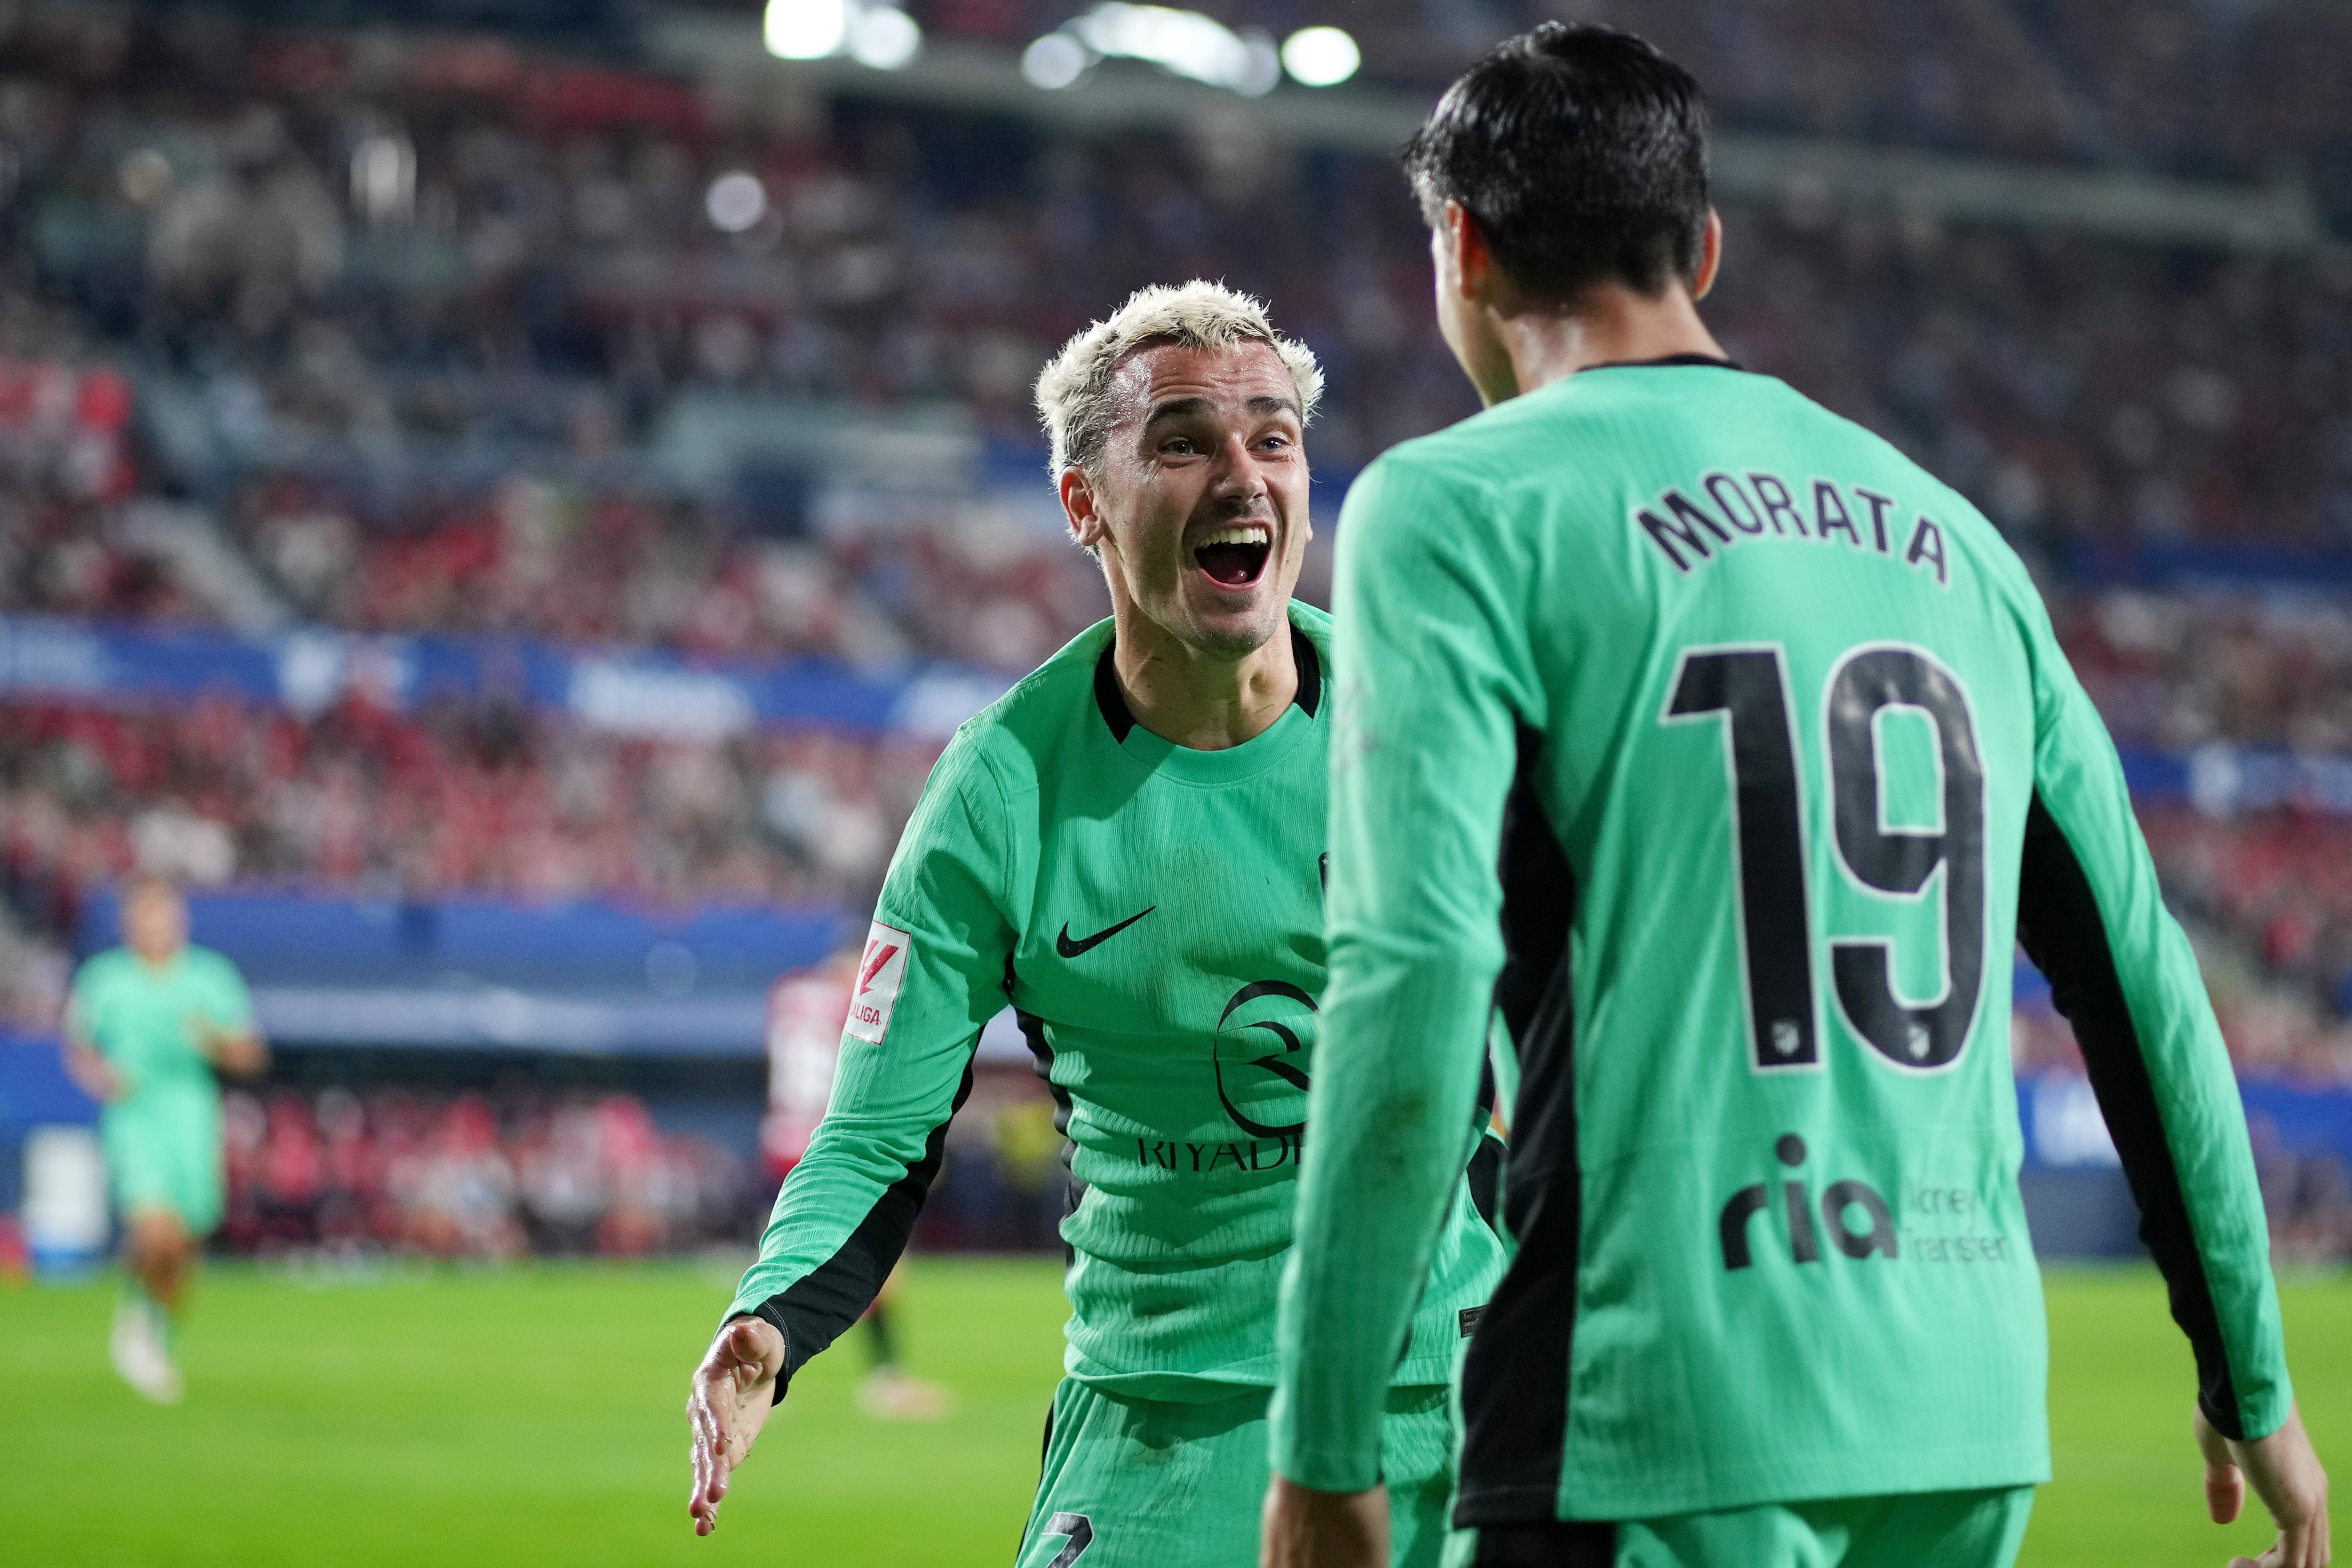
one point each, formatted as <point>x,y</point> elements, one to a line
<point>1129,847</point>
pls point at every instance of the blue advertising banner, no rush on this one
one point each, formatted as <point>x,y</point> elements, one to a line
<point>625,690</point>
<point>638,691</point>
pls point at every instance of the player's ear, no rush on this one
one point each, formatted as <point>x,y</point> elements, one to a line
<point>1710,255</point>
<point>1473,264</point>
<point>1079,505</point>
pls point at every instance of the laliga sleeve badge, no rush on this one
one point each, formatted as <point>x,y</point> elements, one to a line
<point>880,972</point>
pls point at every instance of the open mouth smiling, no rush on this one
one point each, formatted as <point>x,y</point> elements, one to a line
<point>1235,557</point>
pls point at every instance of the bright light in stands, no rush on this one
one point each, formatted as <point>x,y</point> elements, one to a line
<point>383,178</point>
<point>736,200</point>
<point>806,29</point>
<point>145,176</point>
<point>1184,42</point>
<point>1321,56</point>
<point>1054,61</point>
<point>883,37</point>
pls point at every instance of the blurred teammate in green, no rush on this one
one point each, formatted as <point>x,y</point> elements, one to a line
<point>147,1028</point>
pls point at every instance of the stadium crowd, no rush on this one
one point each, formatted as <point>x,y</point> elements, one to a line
<point>341,263</point>
<point>466,1176</point>
<point>441,334</point>
<point>486,798</point>
<point>489,1176</point>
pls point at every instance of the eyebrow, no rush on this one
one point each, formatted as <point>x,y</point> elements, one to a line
<point>1175,406</point>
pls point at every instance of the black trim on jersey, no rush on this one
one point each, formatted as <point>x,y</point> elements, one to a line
<point>1041,1062</point>
<point>814,1310</point>
<point>1112,701</point>
<point>1486,1169</point>
<point>1559,1544</point>
<point>1109,697</point>
<point>2059,925</point>
<point>1310,671</point>
<point>1515,1376</point>
<point>1718,360</point>
<point>1485,1178</point>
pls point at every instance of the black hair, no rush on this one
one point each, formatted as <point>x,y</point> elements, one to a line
<point>1580,151</point>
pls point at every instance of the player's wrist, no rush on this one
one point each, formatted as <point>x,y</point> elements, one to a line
<point>1342,1471</point>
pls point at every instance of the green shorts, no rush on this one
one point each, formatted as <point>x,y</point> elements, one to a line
<point>1139,1483</point>
<point>166,1161</point>
<point>1920,1530</point>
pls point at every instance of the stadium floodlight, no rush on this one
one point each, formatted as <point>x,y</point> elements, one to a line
<point>1321,56</point>
<point>1185,43</point>
<point>883,37</point>
<point>1055,61</point>
<point>736,202</point>
<point>805,29</point>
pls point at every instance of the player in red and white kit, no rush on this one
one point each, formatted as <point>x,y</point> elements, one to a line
<point>806,1010</point>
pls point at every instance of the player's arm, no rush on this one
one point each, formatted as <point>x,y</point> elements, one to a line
<point>1421,765</point>
<point>2090,914</point>
<point>86,1061</point>
<point>226,1035</point>
<point>239,1053</point>
<point>85,1064</point>
<point>924,990</point>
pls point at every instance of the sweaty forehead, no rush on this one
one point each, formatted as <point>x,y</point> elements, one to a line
<point>1229,379</point>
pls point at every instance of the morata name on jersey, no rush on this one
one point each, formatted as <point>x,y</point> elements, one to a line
<point>1761,505</point>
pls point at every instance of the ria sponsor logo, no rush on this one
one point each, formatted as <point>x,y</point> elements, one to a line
<point>1842,1204</point>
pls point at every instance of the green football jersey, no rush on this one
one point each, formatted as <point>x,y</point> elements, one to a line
<point>1769,737</point>
<point>137,1017</point>
<point>1155,915</point>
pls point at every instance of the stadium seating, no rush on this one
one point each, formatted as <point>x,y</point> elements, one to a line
<point>352,348</point>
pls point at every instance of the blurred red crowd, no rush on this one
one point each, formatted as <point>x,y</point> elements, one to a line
<point>466,1176</point>
<point>454,798</point>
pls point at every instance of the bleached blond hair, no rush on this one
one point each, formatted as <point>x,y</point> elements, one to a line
<point>1074,395</point>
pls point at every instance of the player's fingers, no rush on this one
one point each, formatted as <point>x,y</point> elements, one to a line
<point>2225,1492</point>
<point>699,1455</point>
<point>710,1454</point>
<point>743,1339</point>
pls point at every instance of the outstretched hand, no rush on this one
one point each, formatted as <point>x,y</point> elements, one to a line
<point>732,1392</point>
<point>2286,1476</point>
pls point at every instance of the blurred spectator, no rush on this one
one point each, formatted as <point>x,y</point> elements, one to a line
<point>466,1176</point>
<point>459,797</point>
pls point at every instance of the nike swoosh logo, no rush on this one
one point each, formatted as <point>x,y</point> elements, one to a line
<point>1068,949</point>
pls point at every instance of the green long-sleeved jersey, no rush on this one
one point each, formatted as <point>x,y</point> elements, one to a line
<point>1769,737</point>
<point>1155,915</point>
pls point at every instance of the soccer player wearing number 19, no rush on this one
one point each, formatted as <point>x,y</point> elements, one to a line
<point>1769,734</point>
<point>1128,847</point>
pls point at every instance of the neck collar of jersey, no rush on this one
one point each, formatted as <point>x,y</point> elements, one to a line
<point>1112,701</point>
<point>1715,360</point>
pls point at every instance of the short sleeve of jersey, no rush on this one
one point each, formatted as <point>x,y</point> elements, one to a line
<point>94,987</point>
<point>224,998</point>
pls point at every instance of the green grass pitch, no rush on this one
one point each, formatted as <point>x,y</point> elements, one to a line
<point>528,1416</point>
